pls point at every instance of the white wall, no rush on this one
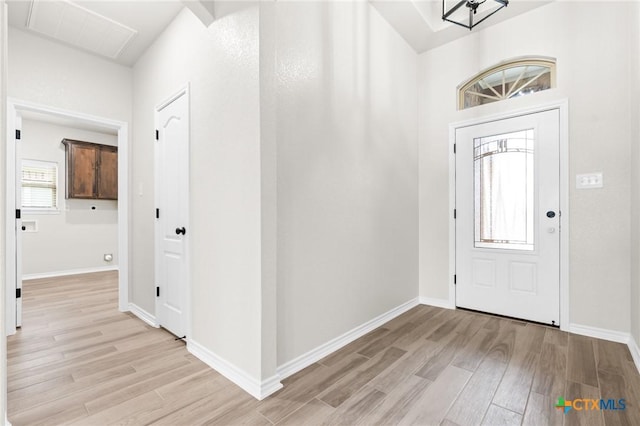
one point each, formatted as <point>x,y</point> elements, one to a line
<point>344,123</point>
<point>51,74</point>
<point>590,42</point>
<point>634,107</point>
<point>3,260</point>
<point>347,171</point>
<point>77,237</point>
<point>268,181</point>
<point>221,63</point>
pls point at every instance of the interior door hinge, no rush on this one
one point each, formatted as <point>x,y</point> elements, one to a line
<point>18,134</point>
<point>18,293</point>
<point>157,213</point>
<point>157,291</point>
<point>454,148</point>
<point>455,279</point>
<point>18,214</point>
<point>157,135</point>
<point>455,213</point>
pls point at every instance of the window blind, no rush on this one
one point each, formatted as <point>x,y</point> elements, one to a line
<point>39,184</point>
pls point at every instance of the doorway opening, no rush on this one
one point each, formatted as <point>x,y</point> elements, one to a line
<point>17,111</point>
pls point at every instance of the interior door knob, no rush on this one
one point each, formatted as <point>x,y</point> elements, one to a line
<point>181,231</point>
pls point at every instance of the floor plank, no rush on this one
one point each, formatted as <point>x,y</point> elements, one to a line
<point>406,366</point>
<point>498,416</point>
<point>77,360</point>
<point>581,416</point>
<point>312,413</point>
<point>356,407</point>
<point>514,389</point>
<point>354,381</point>
<point>385,341</point>
<point>437,399</point>
<point>307,385</point>
<point>551,371</point>
<point>582,362</point>
<point>472,354</point>
<point>473,402</point>
<point>443,357</point>
<point>613,388</point>
<point>398,403</point>
<point>541,411</point>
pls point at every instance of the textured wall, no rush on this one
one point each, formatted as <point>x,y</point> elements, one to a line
<point>347,171</point>
<point>600,140</point>
<point>221,63</point>
<point>51,74</point>
<point>634,121</point>
<point>3,285</point>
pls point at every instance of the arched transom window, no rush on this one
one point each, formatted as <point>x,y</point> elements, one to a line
<point>508,80</point>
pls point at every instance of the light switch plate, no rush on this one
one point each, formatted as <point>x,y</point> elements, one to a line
<point>589,181</point>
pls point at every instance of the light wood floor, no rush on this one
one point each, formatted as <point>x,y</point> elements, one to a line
<point>78,360</point>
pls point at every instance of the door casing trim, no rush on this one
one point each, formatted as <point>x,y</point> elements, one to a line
<point>562,106</point>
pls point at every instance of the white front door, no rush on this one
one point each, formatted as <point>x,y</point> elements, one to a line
<point>172,214</point>
<point>508,217</point>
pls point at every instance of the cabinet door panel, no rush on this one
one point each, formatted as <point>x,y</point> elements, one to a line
<point>83,175</point>
<point>108,174</point>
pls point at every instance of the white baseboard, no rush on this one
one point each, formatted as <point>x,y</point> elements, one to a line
<point>26,277</point>
<point>253,387</point>
<point>599,333</point>
<point>635,352</point>
<point>315,355</point>
<point>143,315</point>
<point>439,303</point>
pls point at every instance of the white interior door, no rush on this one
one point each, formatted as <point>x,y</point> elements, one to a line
<point>172,201</point>
<point>508,218</point>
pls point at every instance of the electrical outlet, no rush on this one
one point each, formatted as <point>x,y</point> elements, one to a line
<point>589,181</point>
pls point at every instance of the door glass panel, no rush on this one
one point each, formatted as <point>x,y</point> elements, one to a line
<point>504,191</point>
<point>519,78</point>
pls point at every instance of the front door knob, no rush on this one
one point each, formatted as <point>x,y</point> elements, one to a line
<point>181,231</point>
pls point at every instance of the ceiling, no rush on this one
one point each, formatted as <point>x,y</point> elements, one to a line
<point>135,24</point>
<point>420,23</point>
<point>121,30</point>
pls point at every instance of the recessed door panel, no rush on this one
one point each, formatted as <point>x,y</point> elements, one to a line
<point>523,277</point>
<point>484,272</point>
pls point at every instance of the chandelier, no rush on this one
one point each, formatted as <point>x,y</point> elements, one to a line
<point>473,12</point>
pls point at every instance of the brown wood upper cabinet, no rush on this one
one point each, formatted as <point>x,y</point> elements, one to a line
<point>92,170</point>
